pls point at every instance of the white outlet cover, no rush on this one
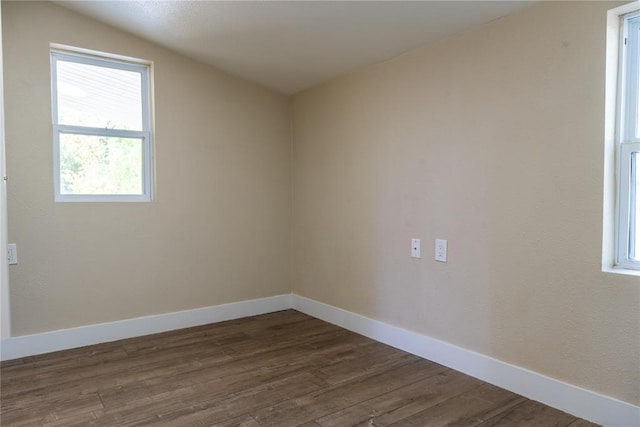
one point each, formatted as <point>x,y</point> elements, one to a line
<point>12,253</point>
<point>441,250</point>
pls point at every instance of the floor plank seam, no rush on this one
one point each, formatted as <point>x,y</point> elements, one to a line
<point>380,395</point>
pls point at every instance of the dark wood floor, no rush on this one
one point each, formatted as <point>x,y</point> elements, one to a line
<point>279,369</point>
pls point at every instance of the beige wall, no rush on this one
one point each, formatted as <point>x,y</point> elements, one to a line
<point>218,229</point>
<point>492,139</point>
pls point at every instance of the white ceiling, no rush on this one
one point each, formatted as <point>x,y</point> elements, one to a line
<point>289,46</point>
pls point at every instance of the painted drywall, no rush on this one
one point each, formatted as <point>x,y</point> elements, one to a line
<point>218,230</point>
<point>492,139</point>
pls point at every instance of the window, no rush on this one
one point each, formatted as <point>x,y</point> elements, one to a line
<point>628,145</point>
<point>101,128</point>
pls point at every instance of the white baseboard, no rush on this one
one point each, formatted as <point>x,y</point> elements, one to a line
<point>29,345</point>
<point>566,397</point>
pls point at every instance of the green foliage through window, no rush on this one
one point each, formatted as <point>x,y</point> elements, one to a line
<point>100,165</point>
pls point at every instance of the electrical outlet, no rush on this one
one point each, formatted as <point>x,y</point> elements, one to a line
<point>441,250</point>
<point>415,248</point>
<point>12,253</point>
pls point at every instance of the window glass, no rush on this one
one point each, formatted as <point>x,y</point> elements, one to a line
<point>635,185</point>
<point>99,97</point>
<point>637,55</point>
<point>100,165</point>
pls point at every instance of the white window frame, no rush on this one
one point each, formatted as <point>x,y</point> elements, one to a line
<point>108,61</point>
<point>628,143</point>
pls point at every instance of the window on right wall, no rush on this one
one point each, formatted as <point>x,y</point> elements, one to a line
<point>628,145</point>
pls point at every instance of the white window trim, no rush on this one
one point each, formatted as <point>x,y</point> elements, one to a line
<point>104,60</point>
<point>627,141</point>
<point>613,152</point>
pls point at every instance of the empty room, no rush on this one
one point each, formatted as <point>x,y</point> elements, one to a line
<point>320,213</point>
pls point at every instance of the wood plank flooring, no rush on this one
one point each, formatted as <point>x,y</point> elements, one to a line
<point>279,369</point>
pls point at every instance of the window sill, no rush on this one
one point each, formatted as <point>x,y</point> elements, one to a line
<point>621,270</point>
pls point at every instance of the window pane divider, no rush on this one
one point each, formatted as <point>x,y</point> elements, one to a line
<point>84,130</point>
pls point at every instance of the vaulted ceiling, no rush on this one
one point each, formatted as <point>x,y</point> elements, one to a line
<point>289,46</point>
